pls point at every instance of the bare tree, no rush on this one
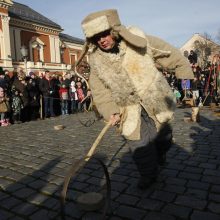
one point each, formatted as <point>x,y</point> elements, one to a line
<point>204,47</point>
<point>218,36</point>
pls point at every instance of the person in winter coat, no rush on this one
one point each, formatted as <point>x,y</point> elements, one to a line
<point>47,87</point>
<point>73,97</point>
<point>19,90</point>
<point>64,98</point>
<point>34,97</point>
<point>128,89</point>
<point>4,108</point>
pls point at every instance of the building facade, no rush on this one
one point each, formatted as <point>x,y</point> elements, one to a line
<point>206,49</point>
<point>33,42</point>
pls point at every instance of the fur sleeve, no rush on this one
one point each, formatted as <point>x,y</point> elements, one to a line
<point>102,98</point>
<point>175,61</point>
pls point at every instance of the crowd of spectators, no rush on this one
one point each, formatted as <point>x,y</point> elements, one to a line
<point>204,88</point>
<point>31,97</point>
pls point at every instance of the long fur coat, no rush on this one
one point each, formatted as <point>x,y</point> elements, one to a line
<point>123,82</point>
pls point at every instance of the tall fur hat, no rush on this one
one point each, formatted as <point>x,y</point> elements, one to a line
<point>101,21</point>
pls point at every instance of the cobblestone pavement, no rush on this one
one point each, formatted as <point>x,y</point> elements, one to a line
<point>34,159</point>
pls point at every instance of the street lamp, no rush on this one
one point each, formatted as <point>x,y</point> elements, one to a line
<point>24,54</point>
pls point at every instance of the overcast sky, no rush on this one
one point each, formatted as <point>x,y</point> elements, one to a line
<point>172,20</point>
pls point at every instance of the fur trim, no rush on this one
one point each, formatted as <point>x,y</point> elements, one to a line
<point>133,79</point>
<point>96,26</point>
<point>132,122</point>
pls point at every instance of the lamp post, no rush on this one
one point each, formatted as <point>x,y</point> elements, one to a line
<point>24,53</point>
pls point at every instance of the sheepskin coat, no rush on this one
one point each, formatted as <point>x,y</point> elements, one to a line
<point>123,82</point>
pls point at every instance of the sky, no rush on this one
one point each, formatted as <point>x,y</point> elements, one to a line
<point>175,21</point>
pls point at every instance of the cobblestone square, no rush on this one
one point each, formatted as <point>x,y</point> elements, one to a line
<point>34,159</point>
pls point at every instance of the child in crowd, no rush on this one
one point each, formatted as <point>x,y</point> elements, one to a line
<point>17,105</point>
<point>4,108</point>
<point>63,92</point>
<point>73,97</point>
<point>80,95</point>
<point>177,95</point>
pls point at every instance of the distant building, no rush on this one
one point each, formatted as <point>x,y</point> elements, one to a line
<point>33,42</point>
<point>203,46</point>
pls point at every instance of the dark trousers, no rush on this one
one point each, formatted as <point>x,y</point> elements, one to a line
<point>48,106</point>
<point>152,144</point>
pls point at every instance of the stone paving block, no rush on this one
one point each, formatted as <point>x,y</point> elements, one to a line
<point>214,197</point>
<point>4,215</point>
<point>169,172</point>
<point>118,186</point>
<point>163,196</point>
<point>191,176</point>
<point>191,169</point>
<point>211,172</point>
<point>56,180</point>
<point>191,202</point>
<point>48,189</point>
<point>3,195</point>
<point>214,207</point>
<point>130,212</point>
<point>25,209</point>
<point>92,216</point>
<point>73,211</point>
<point>115,218</point>
<point>81,177</point>
<point>197,193</point>
<point>114,194</point>
<point>150,204</point>
<point>176,181</point>
<point>95,181</point>
<point>25,193</point>
<point>204,216</point>
<point>133,190</point>
<point>176,166</point>
<point>127,199</point>
<point>174,189</point>
<point>122,171</point>
<point>159,216</point>
<point>178,211</point>
<point>16,217</point>
<point>215,188</point>
<point>10,202</point>
<point>37,184</point>
<point>96,173</point>
<point>198,185</point>
<point>37,199</point>
<point>5,183</point>
<point>43,214</point>
<point>211,179</point>
<point>191,162</point>
<point>207,165</point>
<point>79,185</point>
<point>119,178</point>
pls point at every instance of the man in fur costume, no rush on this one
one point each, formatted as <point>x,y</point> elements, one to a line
<point>129,90</point>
